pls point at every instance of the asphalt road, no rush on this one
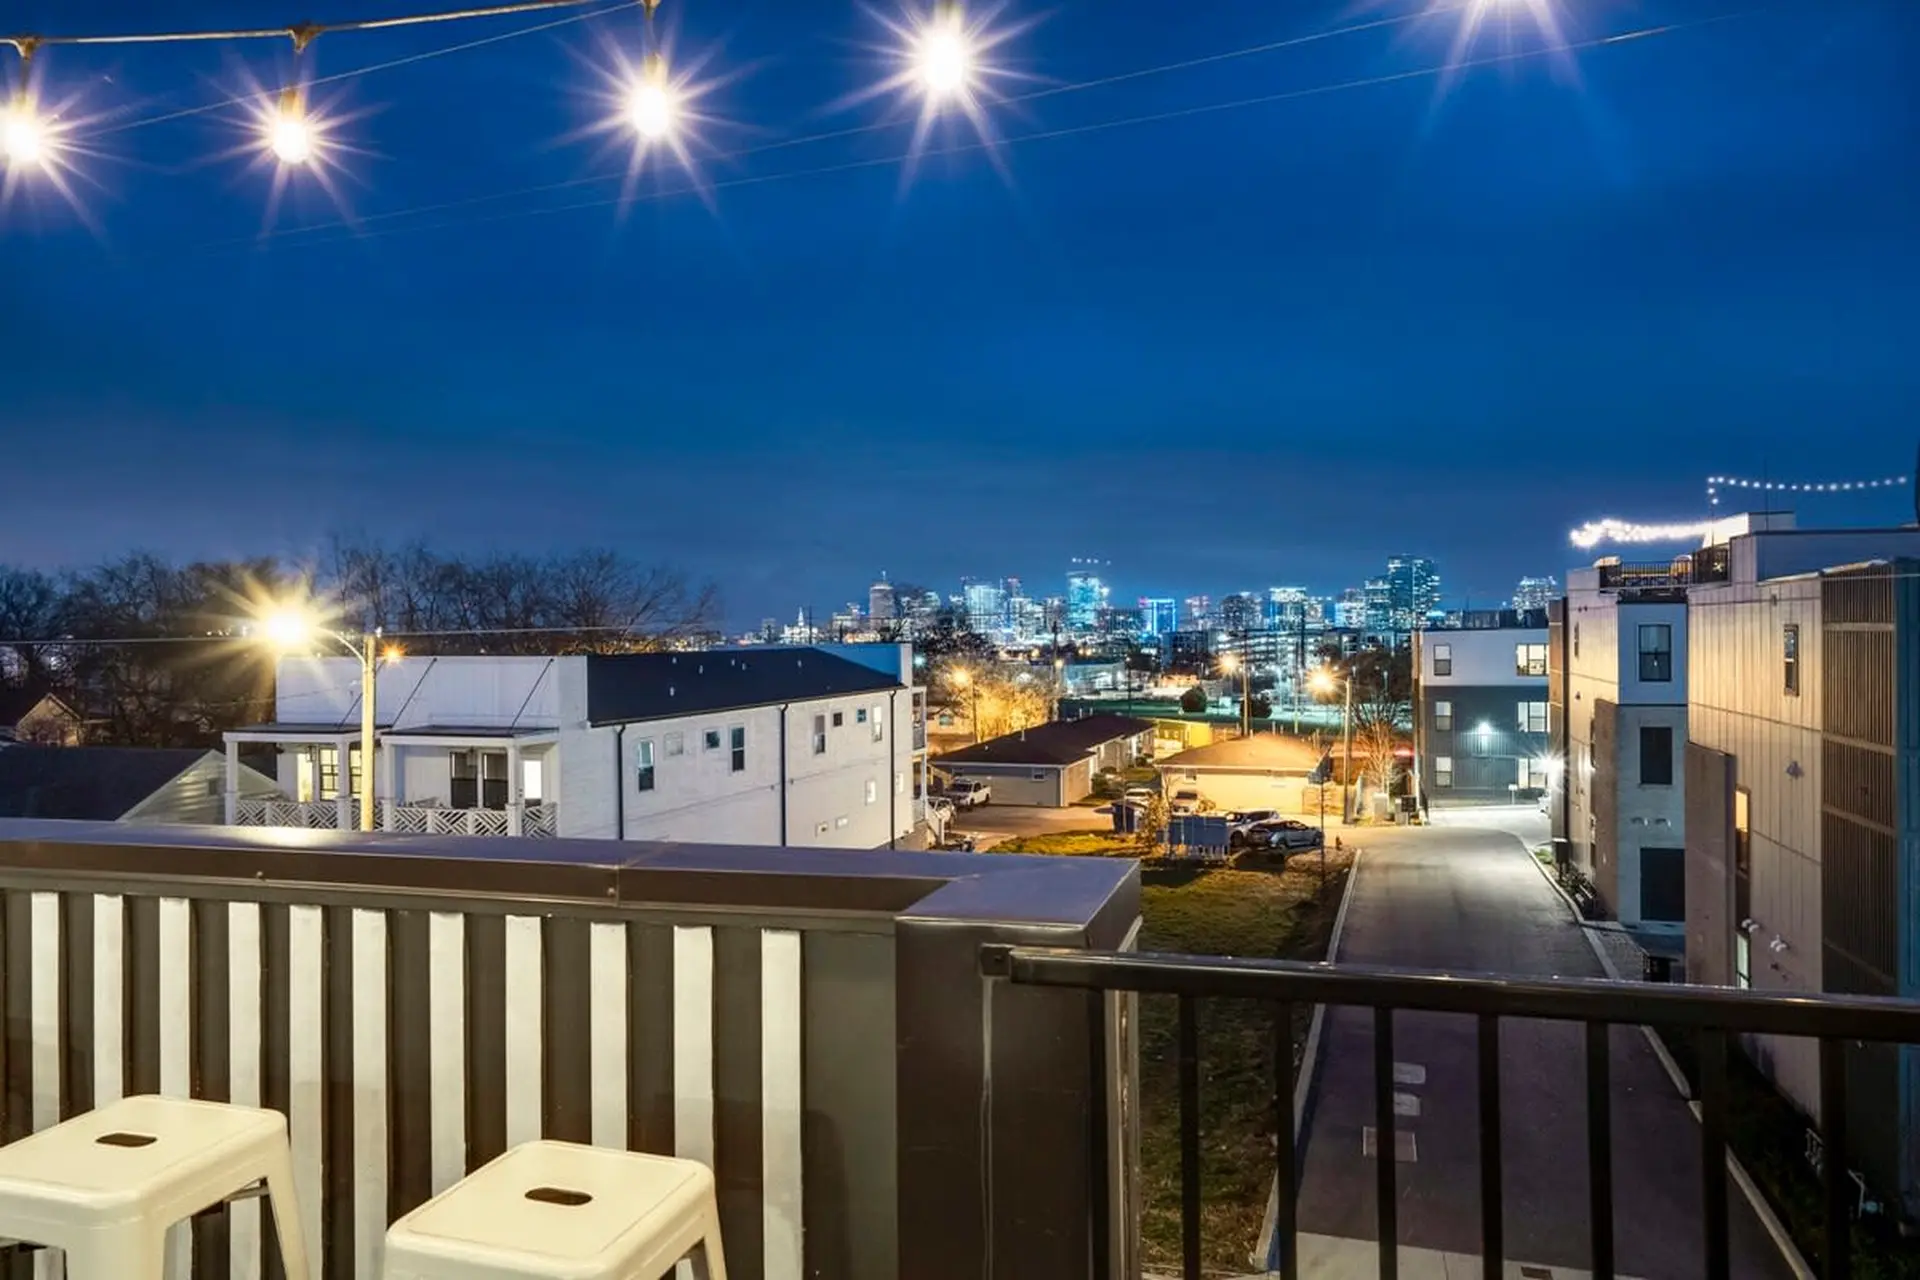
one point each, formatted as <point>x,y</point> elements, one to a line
<point>1455,897</point>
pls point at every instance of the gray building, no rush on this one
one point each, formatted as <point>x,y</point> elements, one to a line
<point>1480,712</point>
<point>1052,765</point>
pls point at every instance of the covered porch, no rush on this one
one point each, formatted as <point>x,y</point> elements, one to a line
<point>478,780</point>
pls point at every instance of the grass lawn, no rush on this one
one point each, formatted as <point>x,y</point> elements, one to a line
<point>1084,843</point>
<point>1266,913</point>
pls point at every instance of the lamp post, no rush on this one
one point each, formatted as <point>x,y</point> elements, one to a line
<point>1323,681</point>
<point>965,680</point>
<point>1229,663</point>
<point>290,629</point>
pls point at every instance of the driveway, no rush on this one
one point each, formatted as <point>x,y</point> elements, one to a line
<point>1468,898</point>
<point>993,823</point>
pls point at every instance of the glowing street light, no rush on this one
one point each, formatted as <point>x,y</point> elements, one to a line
<point>944,55</point>
<point>1325,680</point>
<point>296,628</point>
<point>653,107</point>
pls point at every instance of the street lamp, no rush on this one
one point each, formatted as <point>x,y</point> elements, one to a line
<point>293,628</point>
<point>1323,681</point>
<point>1229,663</point>
<point>963,678</point>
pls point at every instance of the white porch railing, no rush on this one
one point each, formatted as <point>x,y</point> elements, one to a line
<point>537,820</point>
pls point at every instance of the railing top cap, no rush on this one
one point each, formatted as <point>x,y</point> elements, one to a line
<point>1066,891</point>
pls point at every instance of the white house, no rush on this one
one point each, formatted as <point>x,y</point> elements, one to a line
<point>1626,734</point>
<point>780,746</point>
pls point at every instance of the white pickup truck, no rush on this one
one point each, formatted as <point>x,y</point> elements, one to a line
<point>968,793</point>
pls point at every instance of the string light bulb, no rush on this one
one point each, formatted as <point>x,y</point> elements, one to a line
<point>23,135</point>
<point>289,132</point>
<point>651,106</point>
<point>943,55</point>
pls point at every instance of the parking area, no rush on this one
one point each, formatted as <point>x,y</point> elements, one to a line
<point>993,823</point>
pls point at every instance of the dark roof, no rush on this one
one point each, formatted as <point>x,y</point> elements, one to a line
<point>100,784</point>
<point>1061,742</point>
<point>17,700</point>
<point>655,686</point>
<point>1272,752</point>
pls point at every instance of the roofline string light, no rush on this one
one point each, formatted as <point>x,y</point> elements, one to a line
<point>1716,483</point>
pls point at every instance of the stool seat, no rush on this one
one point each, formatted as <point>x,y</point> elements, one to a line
<point>104,1186</point>
<point>560,1209</point>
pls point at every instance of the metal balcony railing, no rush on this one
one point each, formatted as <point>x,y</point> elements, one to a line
<point>1711,1014</point>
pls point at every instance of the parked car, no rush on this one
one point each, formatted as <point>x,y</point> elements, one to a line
<point>969,793</point>
<point>1243,824</point>
<point>1184,800</point>
<point>1285,833</point>
<point>1139,795</point>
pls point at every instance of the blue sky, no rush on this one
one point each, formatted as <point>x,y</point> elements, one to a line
<point>1267,343</point>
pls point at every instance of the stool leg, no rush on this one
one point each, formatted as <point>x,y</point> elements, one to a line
<point>287,1226</point>
<point>709,1260</point>
<point>117,1255</point>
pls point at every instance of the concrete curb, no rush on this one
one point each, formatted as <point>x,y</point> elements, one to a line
<point>1309,1066</point>
<point>1769,1221</point>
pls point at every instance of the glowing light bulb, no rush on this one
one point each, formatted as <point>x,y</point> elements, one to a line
<point>290,134</point>
<point>23,136</point>
<point>943,56</point>
<point>652,106</point>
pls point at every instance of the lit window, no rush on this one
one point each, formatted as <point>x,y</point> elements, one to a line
<point>1790,657</point>
<point>1656,652</point>
<point>1533,717</point>
<point>873,791</point>
<point>1443,771</point>
<point>737,748</point>
<point>1443,660</point>
<point>820,735</point>
<point>643,764</point>
<point>1742,958</point>
<point>1443,716</point>
<point>1530,660</point>
<point>879,721</point>
<point>675,743</point>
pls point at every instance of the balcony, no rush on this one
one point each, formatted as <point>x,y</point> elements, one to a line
<point>900,1065</point>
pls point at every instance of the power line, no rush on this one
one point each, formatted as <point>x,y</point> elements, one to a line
<point>1421,73</point>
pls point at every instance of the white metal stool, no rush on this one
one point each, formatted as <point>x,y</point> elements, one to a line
<point>558,1209</point>
<point>104,1187</point>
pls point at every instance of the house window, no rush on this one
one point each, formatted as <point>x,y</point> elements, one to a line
<point>1530,660</point>
<point>1790,657</point>
<point>675,743</point>
<point>737,749</point>
<point>820,735</point>
<point>1443,771</point>
<point>879,721</point>
<point>1656,652</point>
<point>1443,716</point>
<point>899,784</point>
<point>1742,874</point>
<point>1576,639</point>
<point>711,740</point>
<point>944,719</point>
<point>1742,959</point>
<point>1443,659</point>
<point>1533,717</point>
<point>873,790</point>
<point>643,764</point>
<point>1656,755</point>
<point>1535,772</point>
<point>860,716</point>
<point>533,781</point>
<point>477,779</point>
<point>328,769</point>
<point>839,718</point>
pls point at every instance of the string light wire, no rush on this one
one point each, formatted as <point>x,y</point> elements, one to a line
<point>888,161</point>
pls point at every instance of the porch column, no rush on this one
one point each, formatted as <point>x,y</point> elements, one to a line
<point>232,794</point>
<point>388,790</point>
<point>343,783</point>
<point>516,798</point>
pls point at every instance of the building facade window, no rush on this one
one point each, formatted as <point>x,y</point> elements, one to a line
<point>879,721</point>
<point>675,743</point>
<point>1442,716</point>
<point>643,764</point>
<point>1533,774</point>
<point>1656,653</point>
<point>1533,717</point>
<point>1656,755</point>
<point>839,718</point>
<point>710,740</point>
<point>1576,639</point>
<point>1443,771</point>
<point>1443,660</point>
<point>737,749</point>
<point>820,735</point>
<point>1790,658</point>
<point>1530,660</point>
<point>1742,886</point>
<point>873,791</point>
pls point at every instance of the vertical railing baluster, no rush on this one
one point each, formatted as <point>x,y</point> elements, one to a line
<point>1101,1132</point>
<point>1492,1184</point>
<point>1600,1147</point>
<point>1189,1138</point>
<point>1713,1152</point>
<point>1833,1160</point>
<point>1386,1197</point>
<point>1286,1192</point>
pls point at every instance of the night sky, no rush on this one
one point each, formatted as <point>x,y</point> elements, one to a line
<point>1273,343</point>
